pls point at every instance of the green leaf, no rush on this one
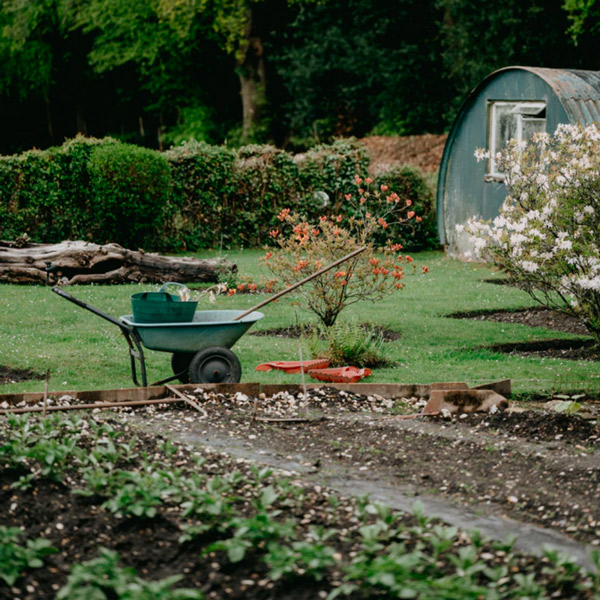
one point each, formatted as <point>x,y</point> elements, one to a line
<point>236,553</point>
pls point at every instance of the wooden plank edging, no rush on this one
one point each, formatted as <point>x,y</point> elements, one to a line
<point>387,390</point>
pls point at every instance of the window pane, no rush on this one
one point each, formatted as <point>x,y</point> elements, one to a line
<point>531,126</point>
<point>513,120</point>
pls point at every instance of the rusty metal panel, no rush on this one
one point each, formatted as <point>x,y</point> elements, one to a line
<point>578,92</point>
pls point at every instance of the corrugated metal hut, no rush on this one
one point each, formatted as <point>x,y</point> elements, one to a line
<point>514,102</point>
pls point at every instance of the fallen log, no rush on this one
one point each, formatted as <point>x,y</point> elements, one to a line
<point>80,262</point>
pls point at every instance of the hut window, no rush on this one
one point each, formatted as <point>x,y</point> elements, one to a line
<point>512,120</point>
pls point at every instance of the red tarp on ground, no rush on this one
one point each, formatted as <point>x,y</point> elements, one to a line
<point>340,375</point>
<point>293,366</point>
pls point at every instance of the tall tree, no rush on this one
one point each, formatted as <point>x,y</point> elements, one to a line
<point>478,37</point>
<point>349,66</point>
<point>160,35</point>
<point>32,48</point>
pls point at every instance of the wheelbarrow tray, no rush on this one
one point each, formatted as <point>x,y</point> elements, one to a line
<point>208,328</point>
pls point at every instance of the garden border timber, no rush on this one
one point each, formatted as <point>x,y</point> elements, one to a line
<point>155,393</point>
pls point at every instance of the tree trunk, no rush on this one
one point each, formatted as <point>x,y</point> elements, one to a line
<point>49,118</point>
<point>251,69</point>
<point>73,262</point>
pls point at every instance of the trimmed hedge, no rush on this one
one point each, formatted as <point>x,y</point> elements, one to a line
<point>191,197</point>
<point>409,183</point>
<point>130,190</point>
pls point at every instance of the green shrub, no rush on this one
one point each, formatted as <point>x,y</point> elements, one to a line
<point>349,343</point>
<point>46,193</point>
<point>131,189</point>
<point>203,181</point>
<point>103,578</point>
<point>191,197</point>
<point>266,180</point>
<point>331,169</point>
<point>33,201</point>
<point>410,184</point>
<point>16,558</point>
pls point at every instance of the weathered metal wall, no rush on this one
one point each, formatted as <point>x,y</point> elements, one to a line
<point>570,96</point>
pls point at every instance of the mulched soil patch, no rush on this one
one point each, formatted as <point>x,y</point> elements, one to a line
<point>538,427</point>
<point>536,467</point>
<point>537,316</point>
<point>8,375</point>
<point>558,348</point>
<point>504,456</point>
<point>297,331</point>
<point>578,349</point>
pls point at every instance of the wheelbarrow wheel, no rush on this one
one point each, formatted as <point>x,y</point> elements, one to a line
<point>180,363</point>
<point>215,365</point>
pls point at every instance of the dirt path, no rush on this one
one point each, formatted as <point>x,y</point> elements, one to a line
<point>534,475</point>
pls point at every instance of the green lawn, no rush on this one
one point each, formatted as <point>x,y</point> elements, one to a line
<point>39,331</point>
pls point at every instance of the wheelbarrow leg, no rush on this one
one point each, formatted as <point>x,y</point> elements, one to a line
<point>136,353</point>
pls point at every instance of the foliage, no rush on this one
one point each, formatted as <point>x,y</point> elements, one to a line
<point>306,558</point>
<point>195,123</point>
<point>131,192</point>
<point>265,177</point>
<point>369,549</point>
<point>584,16</point>
<point>349,343</point>
<point>477,38</point>
<point>45,193</point>
<point>203,181</point>
<point>139,493</point>
<point>153,71</point>
<point>305,247</point>
<point>330,169</point>
<point>39,448</point>
<point>15,558</point>
<point>409,183</point>
<point>190,197</point>
<point>546,236</point>
<point>349,66</point>
<point>102,578</point>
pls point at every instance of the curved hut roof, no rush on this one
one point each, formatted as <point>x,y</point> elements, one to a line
<point>572,96</point>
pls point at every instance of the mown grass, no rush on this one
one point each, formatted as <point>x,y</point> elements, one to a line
<point>39,331</point>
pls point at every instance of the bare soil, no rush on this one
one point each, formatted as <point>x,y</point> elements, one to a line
<point>507,463</point>
<point>570,349</point>
<point>8,375</point>
<point>297,331</point>
<point>528,469</point>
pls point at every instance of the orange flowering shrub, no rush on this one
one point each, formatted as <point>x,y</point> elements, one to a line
<point>304,248</point>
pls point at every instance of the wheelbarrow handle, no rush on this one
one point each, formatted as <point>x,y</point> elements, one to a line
<point>134,342</point>
<point>302,282</point>
<point>91,308</point>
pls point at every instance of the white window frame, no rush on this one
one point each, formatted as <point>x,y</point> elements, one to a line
<point>528,109</point>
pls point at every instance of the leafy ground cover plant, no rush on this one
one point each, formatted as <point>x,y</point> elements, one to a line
<point>546,236</point>
<point>103,578</point>
<point>15,557</point>
<point>305,247</point>
<point>290,534</point>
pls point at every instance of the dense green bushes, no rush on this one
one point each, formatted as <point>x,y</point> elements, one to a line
<point>97,190</point>
<point>130,189</point>
<point>191,197</point>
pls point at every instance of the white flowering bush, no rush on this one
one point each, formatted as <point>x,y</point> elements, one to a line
<point>547,235</point>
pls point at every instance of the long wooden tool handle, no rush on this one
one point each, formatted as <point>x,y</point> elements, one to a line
<point>302,282</point>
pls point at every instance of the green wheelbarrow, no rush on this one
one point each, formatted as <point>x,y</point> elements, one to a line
<point>200,348</point>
